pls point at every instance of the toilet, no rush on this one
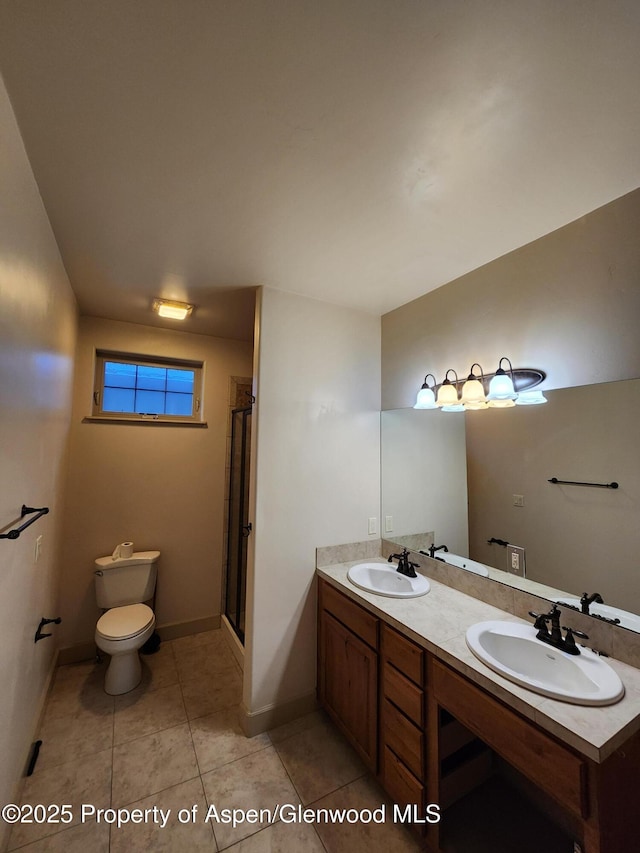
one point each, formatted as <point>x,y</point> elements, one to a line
<point>122,586</point>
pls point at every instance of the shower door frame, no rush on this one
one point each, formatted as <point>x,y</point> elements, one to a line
<point>239,523</point>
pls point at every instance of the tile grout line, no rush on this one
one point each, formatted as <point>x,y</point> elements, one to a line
<point>293,785</point>
<point>113,747</point>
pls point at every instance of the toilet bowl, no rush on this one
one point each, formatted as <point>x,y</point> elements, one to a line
<point>122,585</point>
<point>120,632</point>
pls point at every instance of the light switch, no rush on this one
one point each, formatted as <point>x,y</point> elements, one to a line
<point>373,525</point>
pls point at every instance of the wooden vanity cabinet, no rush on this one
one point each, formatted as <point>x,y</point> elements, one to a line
<point>598,802</point>
<point>402,719</point>
<point>348,670</point>
<point>431,735</point>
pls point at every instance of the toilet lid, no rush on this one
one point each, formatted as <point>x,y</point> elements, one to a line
<point>120,623</point>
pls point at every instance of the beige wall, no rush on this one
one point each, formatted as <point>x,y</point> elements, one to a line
<point>37,339</point>
<point>575,538</point>
<point>317,479</point>
<point>162,487</point>
<point>568,303</point>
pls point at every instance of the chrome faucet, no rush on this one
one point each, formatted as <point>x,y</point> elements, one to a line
<point>405,566</point>
<point>554,636</point>
<point>587,600</point>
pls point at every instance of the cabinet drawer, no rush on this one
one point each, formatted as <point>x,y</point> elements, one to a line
<point>546,763</point>
<point>356,618</point>
<point>403,654</point>
<point>405,739</point>
<point>400,784</point>
<point>403,693</point>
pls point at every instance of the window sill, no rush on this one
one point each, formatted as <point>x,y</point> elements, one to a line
<point>94,419</point>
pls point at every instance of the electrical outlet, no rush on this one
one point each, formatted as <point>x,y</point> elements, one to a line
<point>373,525</point>
<point>388,524</point>
<point>518,500</point>
<point>515,560</point>
<point>38,548</point>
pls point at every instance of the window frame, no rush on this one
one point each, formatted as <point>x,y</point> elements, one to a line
<point>102,356</point>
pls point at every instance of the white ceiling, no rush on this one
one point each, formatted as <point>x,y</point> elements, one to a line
<point>358,151</point>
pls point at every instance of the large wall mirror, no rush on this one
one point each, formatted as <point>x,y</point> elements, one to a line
<point>461,480</point>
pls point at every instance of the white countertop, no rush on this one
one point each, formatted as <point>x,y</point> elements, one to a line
<point>438,622</point>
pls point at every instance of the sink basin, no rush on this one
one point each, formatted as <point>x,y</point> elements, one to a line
<point>627,620</point>
<point>512,650</point>
<point>384,579</point>
<point>463,563</point>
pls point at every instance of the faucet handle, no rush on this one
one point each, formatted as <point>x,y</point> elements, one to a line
<point>541,620</point>
<point>575,633</point>
<point>569,641</point>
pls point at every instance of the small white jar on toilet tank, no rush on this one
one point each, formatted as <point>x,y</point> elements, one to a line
<point>122,585</point>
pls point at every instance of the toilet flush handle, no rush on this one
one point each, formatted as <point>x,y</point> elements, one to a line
<point>99,572</point>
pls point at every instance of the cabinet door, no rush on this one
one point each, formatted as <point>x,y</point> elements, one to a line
<point>349,685</point>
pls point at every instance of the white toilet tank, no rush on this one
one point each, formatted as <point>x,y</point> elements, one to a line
<point>129,580</point>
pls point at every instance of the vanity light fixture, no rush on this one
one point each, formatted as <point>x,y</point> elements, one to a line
<point>171,309</point>
<point>426,398</point>
<point>473,396</point>
<point>447,399</point>
<point>506,389</point>
<point>502,394</point>
<point>531,398</point>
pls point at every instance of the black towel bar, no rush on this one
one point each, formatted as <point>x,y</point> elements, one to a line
<point>555,480</point>
<point>26,510</point>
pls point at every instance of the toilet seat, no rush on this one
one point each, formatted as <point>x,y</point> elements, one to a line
<point>123,623</point>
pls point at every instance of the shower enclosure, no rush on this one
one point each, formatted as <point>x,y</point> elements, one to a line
<point>239,527</point>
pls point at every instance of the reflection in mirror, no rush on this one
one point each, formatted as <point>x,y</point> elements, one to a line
<point>498,463</point>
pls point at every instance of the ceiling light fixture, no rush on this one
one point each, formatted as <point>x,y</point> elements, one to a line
<point>171,309</point>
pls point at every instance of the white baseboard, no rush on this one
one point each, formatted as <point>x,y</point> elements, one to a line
<point>233,641</point>
<point>254,723</point>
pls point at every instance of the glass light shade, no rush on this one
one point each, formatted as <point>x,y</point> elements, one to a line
<point>501,387</point>
<point>534,397</point>
<point>472,394</point>
<point>500,404</point>
<point>454,407</point>
<point>426,399</point>
<point>447,395</point>
<point>472,407</point>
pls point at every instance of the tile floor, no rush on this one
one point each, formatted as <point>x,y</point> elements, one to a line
<point>175,744</point>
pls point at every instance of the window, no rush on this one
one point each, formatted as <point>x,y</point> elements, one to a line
<point>134,387</point>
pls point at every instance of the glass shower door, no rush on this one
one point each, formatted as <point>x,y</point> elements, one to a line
<point>239,526</point>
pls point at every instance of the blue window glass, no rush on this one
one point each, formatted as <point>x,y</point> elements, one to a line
<point>135,388</point>
<point>118,400</point>
<point>150,402</point>
<point>118,375</point>
<point>179,404</point>
<point>151,378</point>
<point>180,380</point>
